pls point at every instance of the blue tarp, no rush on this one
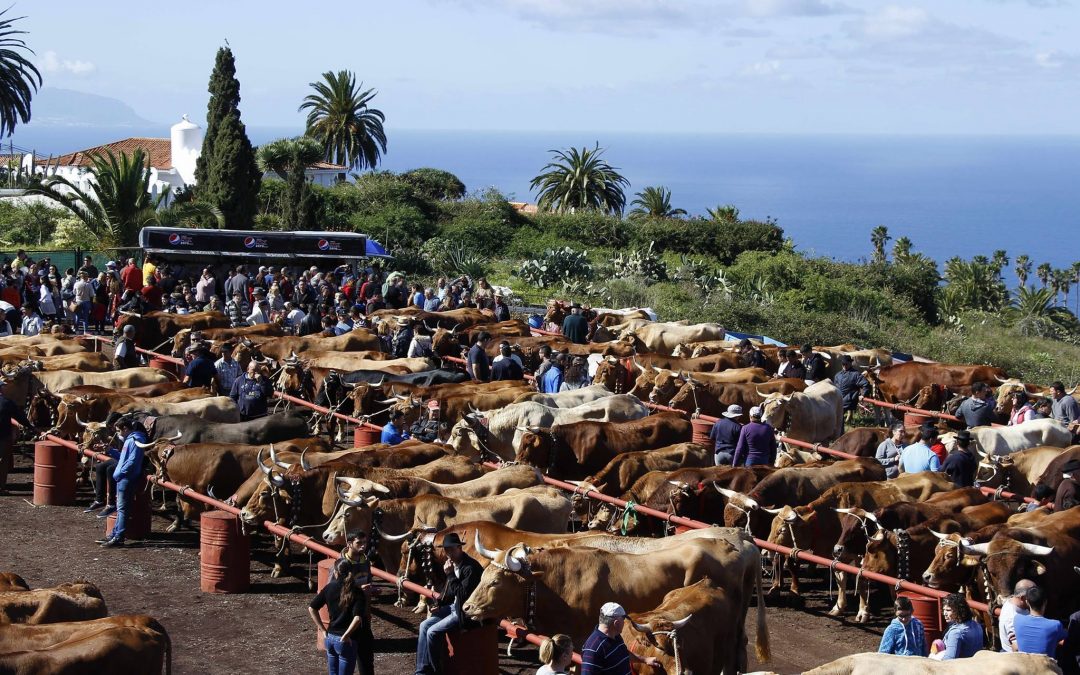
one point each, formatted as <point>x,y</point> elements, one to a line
<point>375,249</point>
<point>749,336</point>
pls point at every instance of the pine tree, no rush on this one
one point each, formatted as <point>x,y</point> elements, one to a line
<point>226,175</point>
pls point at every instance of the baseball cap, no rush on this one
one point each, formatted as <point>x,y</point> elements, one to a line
<point>755,411</point>
<point>613,609</point>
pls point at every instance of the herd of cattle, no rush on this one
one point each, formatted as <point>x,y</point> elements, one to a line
<point>552,558</point>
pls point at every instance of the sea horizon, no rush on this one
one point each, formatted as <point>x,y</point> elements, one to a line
<point>950,194</point>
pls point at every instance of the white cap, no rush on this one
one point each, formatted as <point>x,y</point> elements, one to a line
<point>613,609</point>
<point>755,411</point>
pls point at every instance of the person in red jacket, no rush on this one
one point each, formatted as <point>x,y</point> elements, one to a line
<point>131,277</point>
<point>151,295</point>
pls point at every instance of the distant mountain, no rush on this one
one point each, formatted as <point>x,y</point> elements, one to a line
<point>53,108</point>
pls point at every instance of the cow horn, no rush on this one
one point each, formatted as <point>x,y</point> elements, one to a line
<point>642,628</point>
<point>210,492</point>
<point>176,437</point>
<point>1035,549</point>
<point>771,512</point>
<point>142,445</point>
<point>939,535</point>
<point>393,538</point>
<point>681,622</point>
<point>81,423</point>
<point>879,535</point>
<point>303,461</point>
<point>486,552</point>
<point>638,365</point>
<point>265,469</point>
<point>872,517</point>
<point>844,511</point>
<point>791,517</point>
<point>347,385</point>
<point>611,359</point>
<point>348,501</point>
<point>388,401</point>
<point>274,459</point>
<point>976,549</point>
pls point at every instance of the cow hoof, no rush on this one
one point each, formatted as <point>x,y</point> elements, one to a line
<point>862,618</point>
<point>835,611</point>
<point>399,603</point>
<point>277,572</point>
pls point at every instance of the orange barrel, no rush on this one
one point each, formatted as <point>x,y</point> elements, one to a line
<point>326,565</point>
<point>701,432</point>
<point>473,652</point>
<point>224,552</point>
<point>915,420</point>
<point>163,364</point>
<point>928,611</point>
<point>138,526</point>
<point>54,474</point>
<point>366,435</point>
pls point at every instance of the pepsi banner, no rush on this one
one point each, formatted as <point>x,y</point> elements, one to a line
<point>245,243</point>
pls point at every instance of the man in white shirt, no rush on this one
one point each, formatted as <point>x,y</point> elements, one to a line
<point>228,369</point>
<point>294,315</point>
<point>31,323</point>
<point>260,315</point>
<point>1016,604</point>
<point>205,287</point>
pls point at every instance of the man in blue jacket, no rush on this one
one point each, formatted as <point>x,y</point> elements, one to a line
<point>394,433</point>
<point>128,476</point>
<point>852,386</point>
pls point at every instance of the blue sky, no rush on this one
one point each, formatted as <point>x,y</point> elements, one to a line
<point>747,66</point>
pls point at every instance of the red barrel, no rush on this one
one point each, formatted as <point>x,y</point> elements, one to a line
<point>163,364</point>
<point>138,525</point>
<point>473,652</point>
<point>225,554</point>
<point>366,435</point>
<point>928,611</point>
<point>54,474</point>
<point>701,431</point>
<point>915,420</point>
<point>326,565</point>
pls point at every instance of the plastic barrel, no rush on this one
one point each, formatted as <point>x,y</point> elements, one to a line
<point>163,364</point>
<point>915,420</point>
<point>138,526</point>
<point>928,611</point>
<point>225,554</point>
<point>54,474</point>
<point>366,435</point>
<point>473,652</point>
<point>701,431</point>
<point>326,565</point>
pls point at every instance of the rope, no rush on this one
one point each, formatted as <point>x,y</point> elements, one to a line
<point>629,512</point>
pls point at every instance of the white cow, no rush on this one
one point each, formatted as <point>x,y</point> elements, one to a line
<point>815,415</point>
<point>1007,440</point>
<point>568,399</point>
<point>663,338</point>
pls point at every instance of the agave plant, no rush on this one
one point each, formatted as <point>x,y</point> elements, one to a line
<point>716,284</point>
<point>455,256</point>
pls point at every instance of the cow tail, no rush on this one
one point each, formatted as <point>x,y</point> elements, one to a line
<point>156,626</point>
<point>761,644</point>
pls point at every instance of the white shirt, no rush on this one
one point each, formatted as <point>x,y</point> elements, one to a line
<point>32,325</point>
<point>513,357</point>
<point>1005,623</point>
<point>45,302</point>
<point>257,317</point>
<point>84,292</point>
<point>295,317</point>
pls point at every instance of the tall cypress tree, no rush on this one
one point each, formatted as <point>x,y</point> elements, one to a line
<point>226,174</point>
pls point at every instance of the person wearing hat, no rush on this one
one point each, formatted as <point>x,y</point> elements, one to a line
<point>502,312</point>
<point>399,345</point>
<point>426,428</point>
<point>816,368</point>
<point>757,442</point>
<point>1022,410</point>
<point>506,365</point>
<point>344,323</point>
<point>1068,492</point>
<point>124,354</point>
<point>228,369</point>
<point>852,385</point>
<point>574,327</point>
<point>31,322</point>
<point>725,435</point>
<point>889,450</point>
<point>393,433</point>
<point>604,652</point>
<point>961,463</point>
<point>462,578</point>
<point>9,411</point>
<point>918,457</point>
<point>349,641</point>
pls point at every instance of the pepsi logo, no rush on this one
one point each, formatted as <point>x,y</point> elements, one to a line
<point>249,242</point>
<point>324,245</point>
<point>174,239</point>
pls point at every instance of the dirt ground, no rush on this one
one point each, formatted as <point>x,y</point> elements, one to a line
<point>267,630</point>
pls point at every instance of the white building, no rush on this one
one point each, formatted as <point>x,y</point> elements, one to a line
<point>172,160</point>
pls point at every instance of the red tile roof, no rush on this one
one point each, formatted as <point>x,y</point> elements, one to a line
<point>327,166</point>
<point>158,149</point>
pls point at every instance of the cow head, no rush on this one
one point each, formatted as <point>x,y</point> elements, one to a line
<point>793,526</point>
<point>686,399</point>
<point>610,373</point>
<point>556,312</point>
<point>356,503</point>
<point>931,397</point>
<point>651,634</point>
<point>775,409</point>
<point>271,500</point>
<point>1012,555</point>
<point>465,436</point>
<point>954,562</point>
<point>857,528</point>
<point>993,470</point>
<point>180,342</point>
<point>535,447</point>
<point>665,385</point>
<point>445,342</point>
<point>96,435</point>
<point>643,383</point>
<point>294,378</point>
<point>503,585</point>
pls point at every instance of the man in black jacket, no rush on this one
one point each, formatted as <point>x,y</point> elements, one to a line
<point>462,578</point>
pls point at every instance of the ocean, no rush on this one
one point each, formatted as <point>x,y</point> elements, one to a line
<point>959,195</point>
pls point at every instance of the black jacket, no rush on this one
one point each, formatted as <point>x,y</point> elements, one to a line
<point>458,590</point>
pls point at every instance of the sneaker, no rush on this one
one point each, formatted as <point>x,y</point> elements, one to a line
<point>93,507</point>
<point>103,541</point>
<point>107,512</point>
<point>113,543</point>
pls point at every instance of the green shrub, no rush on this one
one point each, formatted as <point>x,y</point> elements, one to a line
<point>556,266</point>
<point>591,229</point>
<point>485,224</point>
<point>529,241</point>
<point>722,240</point>
<point>434,184</point>
<point>394,225</point>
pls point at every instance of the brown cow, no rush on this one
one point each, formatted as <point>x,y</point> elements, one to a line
<point>67,602</point>
<point>353,341</point>
<point>91,362</point>
<point>623,469</point>
<point>156,329</point>
<point>9,581</point>
<point>713,398</point>
<point>902,382</point>
<point>182,340</point>
<point>581,448</point>
<point>120,644</point>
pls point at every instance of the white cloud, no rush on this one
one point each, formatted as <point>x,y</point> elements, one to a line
<point>1049,59</point>
<point>891,22</point>
<point>52,63</point>
<point>774,8</point>
<point>762,68</point>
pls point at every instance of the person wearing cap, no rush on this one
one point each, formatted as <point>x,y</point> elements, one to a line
<point>476,364</point>
<point>260,314</point>
<point>604,652</point>
<point>918,457</point>
<point>31,322</point>
<point>9,411</point>
<point>200,371</point>
<point>462,578</point>
<point>576,375</point>
<point>725,435</point>
<point>1068,492</point>
<point>251,391</point>
<point>502,312</point>
<point>757,442</point>
<point>852,386</point>
<point>961,463</point>
<point>124,354</point>
<point>426,428</point>
<point>349,641</point>
<point>574,327</point>
<point>791,366</point>
<point>506,366</point>
<point>344,323</point>
<point>889,450</point>
<point>1015,605</point>
<point>128,476</point>
<point>393,433</point>
<point>816,368</point>
<point>977,410</point>
<point>1022,410</point>
<point>227,368</point>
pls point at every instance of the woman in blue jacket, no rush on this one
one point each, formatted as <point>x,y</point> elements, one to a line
<point>904,635</point>
<point>128,476</point>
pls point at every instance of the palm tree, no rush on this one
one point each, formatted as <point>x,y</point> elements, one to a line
<point>1061,280</point>
<point>19,78</point>
<point>727,213</point>
<point>118,203</point>
<point>974,285</point>
<point>1032,312</point>
<point>1075,269</point>
<point>655,202</point>
<point>1022,268</point>
<point>999,260</point>
<point>339,116</point>
<point>879,236</point>
<point>1043,272</point>
<point>901,249</point>
<point>580,179</point>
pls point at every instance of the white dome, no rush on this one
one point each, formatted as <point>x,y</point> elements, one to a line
<point>184,124</point>
<point>186,144</point>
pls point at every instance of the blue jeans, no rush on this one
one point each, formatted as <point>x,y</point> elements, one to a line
<point>340,657</point>
<point>82,312</point>
<point>124,493</point>
<point>431,643</point>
